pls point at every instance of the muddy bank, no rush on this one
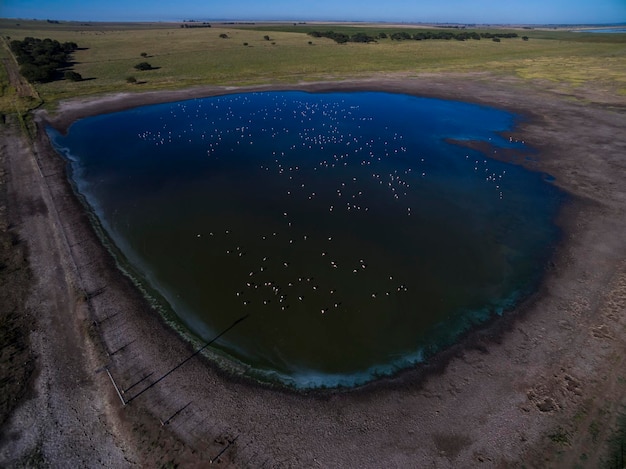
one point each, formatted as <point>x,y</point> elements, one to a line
<point>524,390</point>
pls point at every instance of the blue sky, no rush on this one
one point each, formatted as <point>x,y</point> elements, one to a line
<point>458,11</point>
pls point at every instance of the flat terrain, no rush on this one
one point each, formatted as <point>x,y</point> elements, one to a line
<point>184,57</point>
<point>542,387</point>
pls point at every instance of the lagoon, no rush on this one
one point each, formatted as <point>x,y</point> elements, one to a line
<point>356,231</point>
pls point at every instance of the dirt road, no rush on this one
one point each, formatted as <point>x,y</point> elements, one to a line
<point>62,421</point>
<point>22,88</point>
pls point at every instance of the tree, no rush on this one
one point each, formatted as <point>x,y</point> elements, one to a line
<point>339,38</point>
<point>525,38</point>
<point>37,73</point>
<point>362,37</point>
<point>401,36</point>
<point>143,66</point>
<point>41,59</point>
<point>72,76</point>
<point>69,47</point>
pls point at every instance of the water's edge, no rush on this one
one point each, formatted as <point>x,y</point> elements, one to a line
<point>228,363</point>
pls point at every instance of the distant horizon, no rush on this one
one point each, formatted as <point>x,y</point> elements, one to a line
<point>480,12</point>
<point>301,21</point>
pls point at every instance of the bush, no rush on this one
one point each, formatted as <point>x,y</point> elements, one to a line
<point>143,66</point>
<point>131,80</point>
<point>72,76</point>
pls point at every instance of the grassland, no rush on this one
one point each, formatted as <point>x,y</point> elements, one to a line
<point>6,92</point>
<point>191,57</point>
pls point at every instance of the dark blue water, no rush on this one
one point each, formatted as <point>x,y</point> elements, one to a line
<point>358,239</point>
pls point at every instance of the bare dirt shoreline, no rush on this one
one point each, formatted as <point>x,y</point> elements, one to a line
<point>540,388</point>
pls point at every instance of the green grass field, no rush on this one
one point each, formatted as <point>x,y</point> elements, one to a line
<point>189,57</point>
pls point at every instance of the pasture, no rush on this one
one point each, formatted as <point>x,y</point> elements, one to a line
<point>578,64</point>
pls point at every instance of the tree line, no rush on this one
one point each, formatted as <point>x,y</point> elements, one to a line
<point>40,60</point>
<point>342,38</point>
<point>191,24</point>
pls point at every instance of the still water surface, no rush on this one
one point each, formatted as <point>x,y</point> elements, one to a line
<point>359,239</point>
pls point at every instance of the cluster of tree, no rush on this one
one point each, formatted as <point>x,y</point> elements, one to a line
<point>195,25</point>
<point>405,36</point>
<point>341,38</point>
<point>445,35</point>
<point>498,35</point>
<point>448,35</point>
<point>40,60</point>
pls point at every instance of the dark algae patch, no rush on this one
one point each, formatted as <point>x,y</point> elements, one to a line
<point>357,236</point>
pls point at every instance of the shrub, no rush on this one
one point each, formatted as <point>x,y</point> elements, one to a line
<point>72,76</point>
<point>143,66</point>
<point>131,80</point>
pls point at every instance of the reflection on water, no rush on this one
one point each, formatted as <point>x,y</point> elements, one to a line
<point>357,238</point>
